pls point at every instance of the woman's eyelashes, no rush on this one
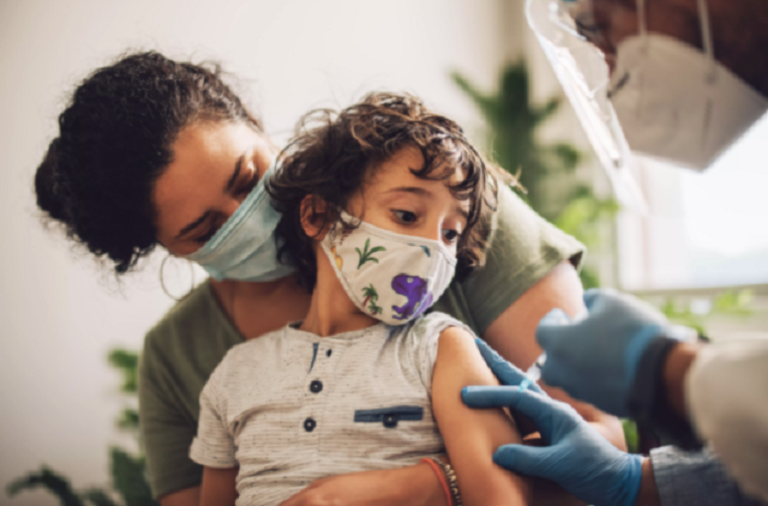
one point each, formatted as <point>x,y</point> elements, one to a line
<point>202,239</point>
<point>209,228</point>
<point>249,182</point>
<point>245,185</point>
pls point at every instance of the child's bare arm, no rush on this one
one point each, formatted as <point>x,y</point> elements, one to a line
<point>471,435</point>
<point>218,487</point>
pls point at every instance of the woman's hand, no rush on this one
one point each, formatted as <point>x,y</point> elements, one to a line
<point>408,486</point>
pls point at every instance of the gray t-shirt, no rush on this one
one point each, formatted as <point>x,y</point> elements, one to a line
<point>182,350</point>
<point>291,407</point>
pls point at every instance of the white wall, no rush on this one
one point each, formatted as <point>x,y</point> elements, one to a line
<point>59,312</point>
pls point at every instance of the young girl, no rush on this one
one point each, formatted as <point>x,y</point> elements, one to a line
<point>380,205</point>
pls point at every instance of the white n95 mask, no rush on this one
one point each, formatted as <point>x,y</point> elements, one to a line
<point>391,277</point>
<point>678,103</point>
<point>244,248</point>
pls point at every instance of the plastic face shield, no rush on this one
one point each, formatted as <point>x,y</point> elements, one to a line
<point>565,31</point>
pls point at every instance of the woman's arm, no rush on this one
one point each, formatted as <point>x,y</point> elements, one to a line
<point>471,436</point>
<point>218,487</point>
<point>513,336</point>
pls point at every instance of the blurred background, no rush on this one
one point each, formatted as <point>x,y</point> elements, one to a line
<point>701,254</point>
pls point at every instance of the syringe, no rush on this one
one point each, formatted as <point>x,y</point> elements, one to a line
<point>533,373</point>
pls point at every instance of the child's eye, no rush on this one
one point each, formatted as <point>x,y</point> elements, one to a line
<point>450,235</point>
<point>405,216</point>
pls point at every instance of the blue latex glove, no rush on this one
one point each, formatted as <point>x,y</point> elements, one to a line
<point>595,358</point>
<point>577,457</point>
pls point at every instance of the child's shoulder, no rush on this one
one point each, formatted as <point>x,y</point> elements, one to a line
<point>433,324</point>
<point>426,334</point>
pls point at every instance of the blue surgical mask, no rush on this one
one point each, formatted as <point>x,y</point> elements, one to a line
<point>244,248</point>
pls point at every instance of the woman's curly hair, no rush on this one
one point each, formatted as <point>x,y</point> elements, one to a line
<point>115,140</point>
<point>333,154</point>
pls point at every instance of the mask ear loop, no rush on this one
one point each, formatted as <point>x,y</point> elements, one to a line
<point>706,38</point>
<point>711,78</point>
<point>162,281</point>
<point>642,24</point>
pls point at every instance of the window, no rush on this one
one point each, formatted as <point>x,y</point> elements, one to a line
<point>703,230</point>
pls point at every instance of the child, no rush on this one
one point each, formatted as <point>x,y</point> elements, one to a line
<point>379,204</point>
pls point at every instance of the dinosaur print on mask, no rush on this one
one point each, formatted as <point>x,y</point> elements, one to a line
<point>419,298</point>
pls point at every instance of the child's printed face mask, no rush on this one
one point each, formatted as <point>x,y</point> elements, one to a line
<point>389,276</point>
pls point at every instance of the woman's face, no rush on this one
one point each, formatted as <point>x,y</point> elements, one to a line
<point>215,166</point>
<point>607,23</point>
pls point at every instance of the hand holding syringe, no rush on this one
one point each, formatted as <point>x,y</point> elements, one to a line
<point>533,373</point>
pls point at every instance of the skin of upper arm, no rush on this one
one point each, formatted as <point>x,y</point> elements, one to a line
<point>513,336</point>
<point>186,497</point>
<point>472,435</point>
<point>219,487</point>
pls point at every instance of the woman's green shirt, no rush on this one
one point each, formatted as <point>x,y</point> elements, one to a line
<point>182,350</point>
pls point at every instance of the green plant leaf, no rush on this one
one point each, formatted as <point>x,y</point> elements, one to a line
<point>98,497</point>
<point>48,480</point>
<point>512,122</point>
<point>729,303</point>
<point>589,278</point>
<point>127,362</point>
<point>734,302</point>
<point>129,480</point>
<point>129,419</point>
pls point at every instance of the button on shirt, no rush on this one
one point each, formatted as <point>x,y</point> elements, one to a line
<point>288,411</point>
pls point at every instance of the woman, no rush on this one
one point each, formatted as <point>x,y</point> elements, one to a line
<point>152,151</point>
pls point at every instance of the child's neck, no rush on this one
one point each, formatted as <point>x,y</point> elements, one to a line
<point>331,311</point>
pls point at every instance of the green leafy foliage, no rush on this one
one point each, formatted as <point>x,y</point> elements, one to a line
<point>129,478</point>
<point>735,303</point>
<point>48,480</point>
<point>127,362</point>
<point>512,122</point>
<point>98,497</point>
<point>129,419</point>
<point>128,471</point>
<point>732,303</point>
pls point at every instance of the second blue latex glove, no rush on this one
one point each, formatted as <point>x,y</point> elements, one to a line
<point>577,457</point>
<point>595,358</point>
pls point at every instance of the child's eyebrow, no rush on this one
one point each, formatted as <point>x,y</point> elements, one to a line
<point>410,189</point>
<point>416,190</point>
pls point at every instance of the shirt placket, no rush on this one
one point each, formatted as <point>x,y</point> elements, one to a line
<point>316,396</point>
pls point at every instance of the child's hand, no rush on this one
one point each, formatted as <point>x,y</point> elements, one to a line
<point>407,486</point>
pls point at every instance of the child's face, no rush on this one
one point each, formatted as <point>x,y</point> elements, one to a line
<point>394,199</point>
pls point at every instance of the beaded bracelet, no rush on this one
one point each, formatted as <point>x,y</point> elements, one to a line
<point>451,488</point>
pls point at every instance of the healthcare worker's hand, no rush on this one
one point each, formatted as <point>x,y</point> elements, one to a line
<point>576,457</point>
<point>595,358</point>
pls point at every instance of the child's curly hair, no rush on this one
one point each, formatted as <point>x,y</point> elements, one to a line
<point>333,154</point>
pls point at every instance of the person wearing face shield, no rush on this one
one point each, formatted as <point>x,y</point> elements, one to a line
<point>678,80</point>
